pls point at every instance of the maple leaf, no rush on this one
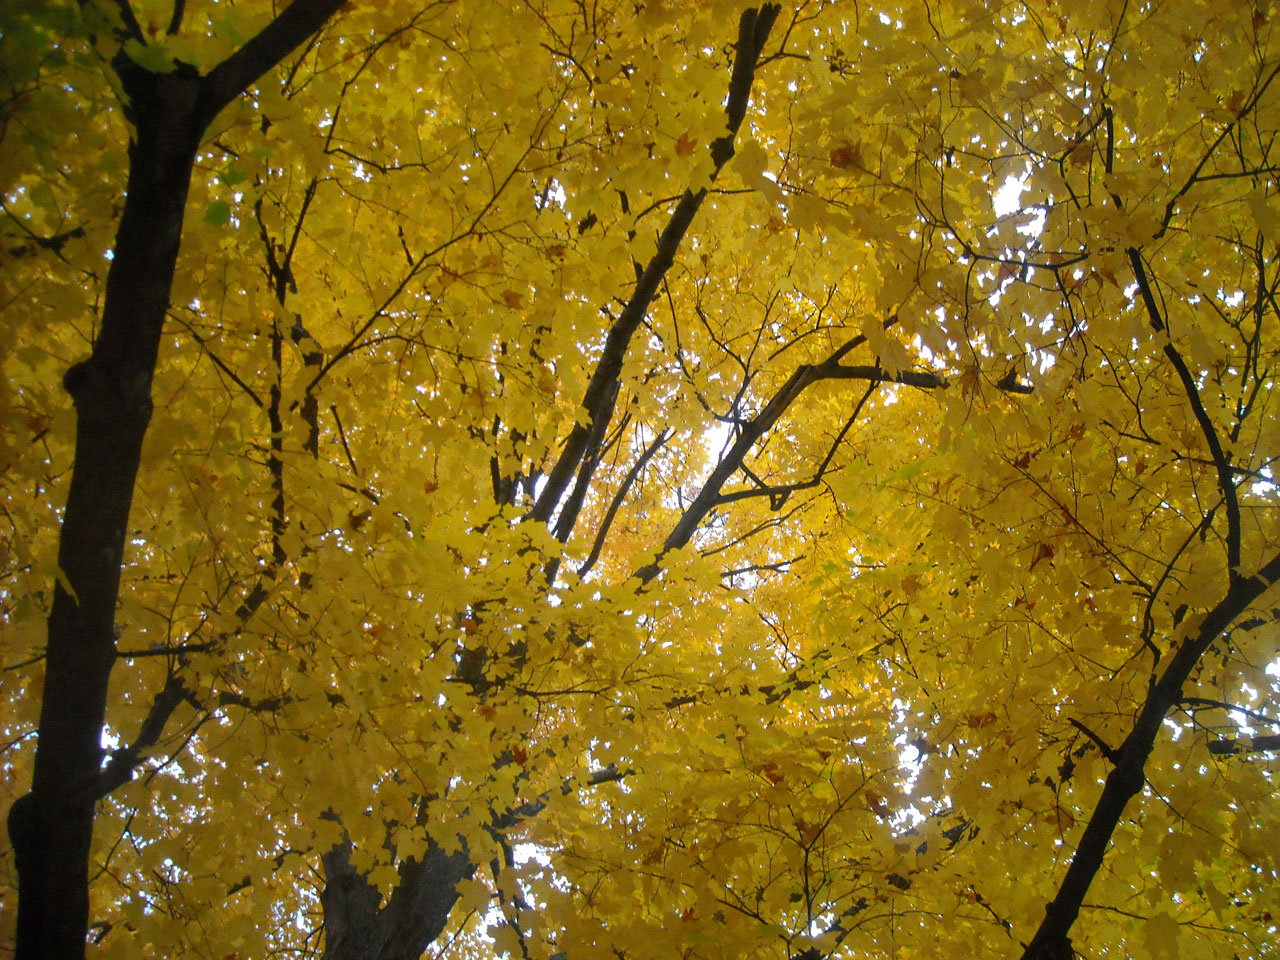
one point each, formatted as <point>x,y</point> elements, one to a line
<point>876,802</point>
<point>1043,551</point>
<point>685,145</point>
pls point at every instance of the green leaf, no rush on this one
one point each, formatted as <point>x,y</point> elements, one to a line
<point>218,213</point>
<point>153,57</point>
<point>914,468</point>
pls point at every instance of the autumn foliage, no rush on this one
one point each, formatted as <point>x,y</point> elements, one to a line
<point>639,480</point>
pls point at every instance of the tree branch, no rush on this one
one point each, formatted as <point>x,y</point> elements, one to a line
<point>234,75</point>
<point>1231,748</point>
<point>1051,940</point>
<point>778,494</point>
<point>1226,479</point>
<point>175,21</point>
<point>601,392</point>
<point>119,769</point>
<point>804,376</point>
<point>619,497</point>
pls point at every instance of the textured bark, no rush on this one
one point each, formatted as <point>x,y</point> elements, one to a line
<point>357,928</point>
<point>51,827</point>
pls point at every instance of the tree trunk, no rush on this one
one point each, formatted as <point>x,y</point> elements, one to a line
<point>415,915</point>
<point>52,826</point>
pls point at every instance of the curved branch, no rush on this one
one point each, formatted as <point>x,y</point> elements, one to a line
<point>273,43</point>
<point>1226,478</point>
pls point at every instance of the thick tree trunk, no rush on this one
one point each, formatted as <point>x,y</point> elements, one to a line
<point>355,926</point>
<point>52,826</point>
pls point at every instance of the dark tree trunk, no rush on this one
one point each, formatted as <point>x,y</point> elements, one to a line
<point>51,827</point>
<point>356,928</point>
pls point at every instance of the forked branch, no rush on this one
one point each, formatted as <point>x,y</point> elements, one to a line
<point>601,393</point>
<point>1052,940</point>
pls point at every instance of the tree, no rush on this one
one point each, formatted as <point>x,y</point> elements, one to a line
<point>622,480</point>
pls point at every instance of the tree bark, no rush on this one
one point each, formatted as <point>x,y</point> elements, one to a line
<point>51,827</point>
<point>355,928</point>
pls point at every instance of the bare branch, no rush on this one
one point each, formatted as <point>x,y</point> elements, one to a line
<point>1226,478</point>
<point>1232,748</point>
<point>119,769</point>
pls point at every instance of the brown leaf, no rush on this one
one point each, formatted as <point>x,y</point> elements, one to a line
<point>1044,551</point>
<point>977,721</point>
<point>846,156</point>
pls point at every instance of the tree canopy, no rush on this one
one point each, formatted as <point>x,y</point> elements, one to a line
<point>571,479</point>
